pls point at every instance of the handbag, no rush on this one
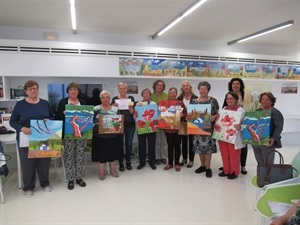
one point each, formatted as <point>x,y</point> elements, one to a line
<point>183,128</point>
<point>272,173</point>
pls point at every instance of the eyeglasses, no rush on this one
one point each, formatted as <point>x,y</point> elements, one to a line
<point>73,89</point>
<point>32,89</point>
<point>230,98</point>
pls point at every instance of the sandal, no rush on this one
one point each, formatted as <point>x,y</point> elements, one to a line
<point>80,182</point>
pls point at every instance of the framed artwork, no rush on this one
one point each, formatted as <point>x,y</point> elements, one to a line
<point>146,120</point>
<point>224,129</point>
<point>256,128</point>
<point>169,114</point>
<point>79,122</point>
<point>45,139</point>
<point>111,124</point>
<point>5,117</point>
<point>198,119</point>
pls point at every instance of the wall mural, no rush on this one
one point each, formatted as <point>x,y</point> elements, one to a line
<point>188,68</point>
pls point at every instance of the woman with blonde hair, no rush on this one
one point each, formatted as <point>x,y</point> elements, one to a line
<point>186,96</point>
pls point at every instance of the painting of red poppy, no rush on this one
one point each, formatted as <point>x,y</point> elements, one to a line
<point>224,129</point>
<point>146,120</point>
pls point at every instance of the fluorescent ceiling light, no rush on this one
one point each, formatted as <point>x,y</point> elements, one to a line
<point>262,32</point>
<point>73,16</point>
<point>178,18</point>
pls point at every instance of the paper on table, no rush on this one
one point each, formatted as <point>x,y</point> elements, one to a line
<point>24,140</point>
<point>279,208</point>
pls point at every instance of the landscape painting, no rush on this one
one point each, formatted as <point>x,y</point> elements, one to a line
<point>111,124</point>
<point>79,122</point>
<point>169,114</point>
<point>146,120</point>
<point>198,119</point>
<point>45,139</point>
<point>256,128</point>
<point>224,129</point>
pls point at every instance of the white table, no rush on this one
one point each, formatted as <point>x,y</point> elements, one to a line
<point>10,139</point>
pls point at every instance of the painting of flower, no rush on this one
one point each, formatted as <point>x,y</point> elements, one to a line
<point>147,118</point>
<point>111,124</point>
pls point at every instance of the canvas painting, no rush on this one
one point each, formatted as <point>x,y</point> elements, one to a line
<point>169,114</point>
<point>79,122</point>
<point>146,120</point>
<point>198,119</point>
<point>224,129</point>
<point>256,128</point>
<point>45,139</point>
<point>111,124</point>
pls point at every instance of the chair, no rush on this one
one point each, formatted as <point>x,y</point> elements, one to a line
<point>283,193</point>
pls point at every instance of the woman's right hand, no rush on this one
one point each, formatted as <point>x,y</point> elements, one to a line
<point>26,130</point>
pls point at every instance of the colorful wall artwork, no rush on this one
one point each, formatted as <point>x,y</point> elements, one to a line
<point>111,124</point>
<point>79,122</point>
<point>169,114</point>
<point>198,119</point>
<point>256,128</point>
<point>195,68</point>
<point>45,139</point>
<point>146,120</point>
<point>224,129</point>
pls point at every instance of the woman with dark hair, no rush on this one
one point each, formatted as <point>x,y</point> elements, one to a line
<point>73,149</point>
<point>231,152</point>
<point>237,86</point>
<point>161,149</point>
<point>267,101</point>
<point>31,107</point>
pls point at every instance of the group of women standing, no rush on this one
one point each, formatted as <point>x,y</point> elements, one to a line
<point>165,146</point>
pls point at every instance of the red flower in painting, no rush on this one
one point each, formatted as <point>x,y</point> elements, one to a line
<point>148,114</point>
<point>217,127</point>
<point>141,124</point>
<point>153,125</point>
<point>227,120</point>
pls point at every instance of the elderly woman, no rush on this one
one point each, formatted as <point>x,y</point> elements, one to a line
<point>267,101</point>
<point>106,147</point>
<point>231,153</point>
<point>204,145</point>
<point>73,149</point>
<point>32,107</point>
<point>125,104</point>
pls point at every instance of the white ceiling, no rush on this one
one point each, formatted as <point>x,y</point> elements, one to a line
<point>216,20</point>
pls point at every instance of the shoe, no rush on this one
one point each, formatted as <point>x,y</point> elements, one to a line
<point>163,161</point>
<point>244,171</point>
<point>201,169</point>
<point>221,168</point>
<point>71,185</point>
<point>153,166</point>
<point>115,174</point>
<point>177,168</point>
<point>80,182</point>
<point>190,165</point>
<point>184,161</point>
<point>208,173</point>
<point>157,162</point>
<point>28,194</point>
<point>168,166</point>
<point>222,174</point>
<point>140,166</point>
<point>48,188</point>
<point>128,166</point>
<point>101,177</point>
<point>121,167</point>
<point>232,176</point>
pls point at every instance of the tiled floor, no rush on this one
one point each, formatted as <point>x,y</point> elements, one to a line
<point>139,197</point>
